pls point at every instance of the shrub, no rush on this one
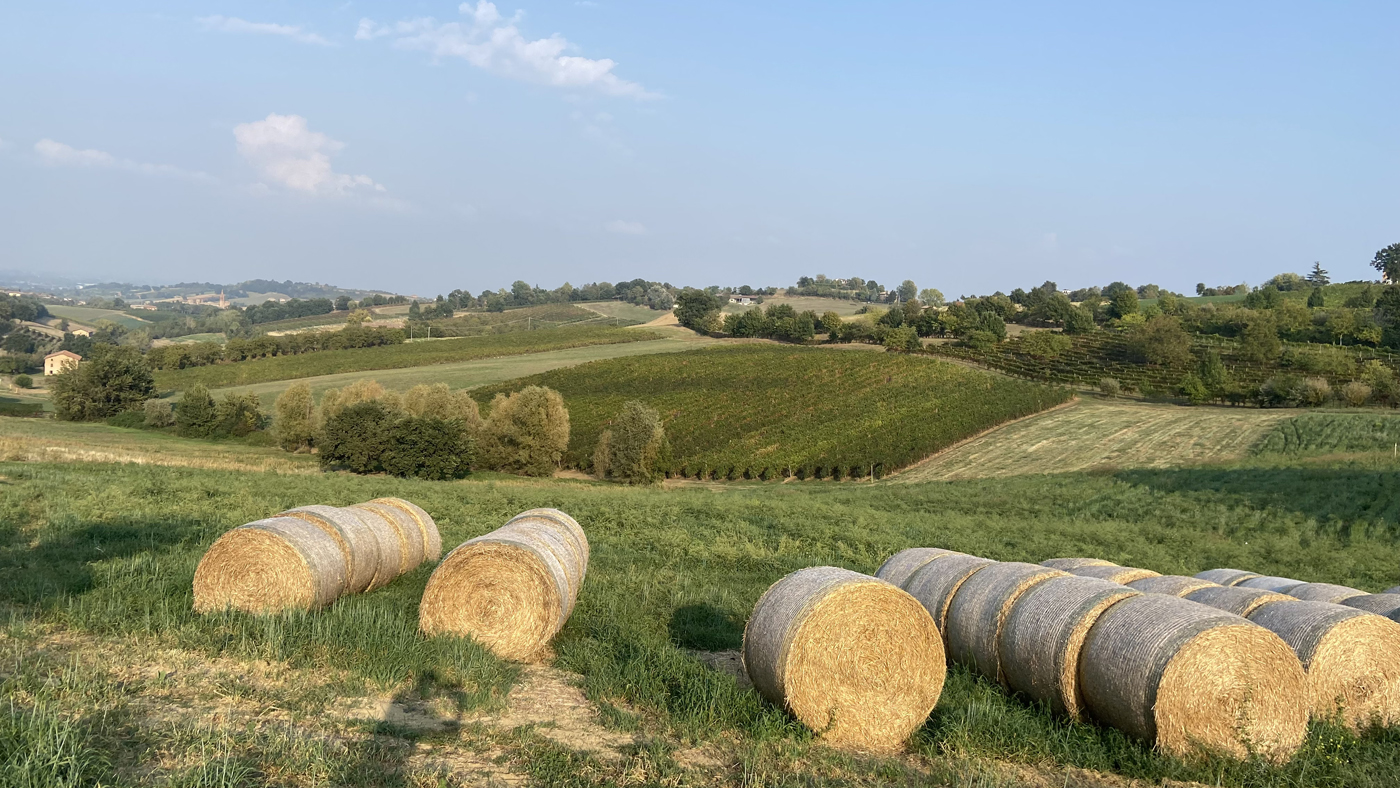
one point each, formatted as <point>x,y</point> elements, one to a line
<point>440,402</point>
<point>1045,345</point>
<point>526,432</point>
<point>1356,393</point>
<point>905,339</point>
<point>1315,392</point>
<point>634,448</point>
<point>114,379</point>
<point>1382,381</point>
<point>980,340</point>
<point>427,447</point>
<point>354,437</point>
<point>363,390</point>
<point>131,419</point>
<point>1281,391</point>
<point>1259,341</point>
<point>158,413</point>
<point>1110,387</point>
<point>1194,389</point>
<point>22,382</point>
<point>238,415</point>
<point>295,418</point>
<point>196,416</point>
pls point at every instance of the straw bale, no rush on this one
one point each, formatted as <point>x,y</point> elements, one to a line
<point>270,565</point>
<point>1171,585</point>
<point>1044,632</point>
<point>388,556</point>
<point>935,583</point>
<point>979,609</point>
<point>1352,659</point>
<point>1070,564</point>
<point>357,542</point>
<point>1392,590</point>
<point>1279,585</point>
<point>1233,599</point>
<point>1113,573</point>
<point>1324,592</point>
<point>1387,605</point>
<point>1187,677</point>
<point>1226,577</point>
<point>405,530</point>
<point>580,539</point>
<point>898,567</point>
<point>852,657</point>
<point>432,540</point>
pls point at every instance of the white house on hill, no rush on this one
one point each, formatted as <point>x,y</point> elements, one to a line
<point>55,363</point>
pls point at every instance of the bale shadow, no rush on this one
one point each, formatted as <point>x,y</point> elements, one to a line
<point>704,627</point>
<point>60,563</point>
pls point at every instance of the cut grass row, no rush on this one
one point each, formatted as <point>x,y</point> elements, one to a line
<point>1333,433</point>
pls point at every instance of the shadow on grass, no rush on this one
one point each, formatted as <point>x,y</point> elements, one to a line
<point>60,563</point>
<point>706,628</point>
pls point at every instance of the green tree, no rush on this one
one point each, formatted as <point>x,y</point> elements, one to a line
<point>1315,299</point>
<point>831,324</point>
<point>1319,276</point>
<point>634,446</point>
<point>114,379</point>
<point>159,413</point>
<point>238,415</point>
<point>904,339</point>
<point>1387,261</point>
<point>1194,389</point>
<point>427,447</point>
<point>1213,375</point>
<point>697,310</point>
<point>1080,320</point>
<point>1045,345</point>
<point>1259,341</point>
<point>908,291</point>
<point>931,297</point>
<point>526,432</point>
<point>1162,341</point>
<point>1124,303</point>
<point>196,415</point>
<point>415,312</point>
<point>22,382</point>
<point>295,417</point>
<point>355,437</point>
<point>438,401</point>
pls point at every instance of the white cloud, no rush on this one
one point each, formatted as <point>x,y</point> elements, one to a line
<point>625,228</point>
<point>490,42</point>
<point>289,154</point>
<point>232,24</point>
<point>61,155</point>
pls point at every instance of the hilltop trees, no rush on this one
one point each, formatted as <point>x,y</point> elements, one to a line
<point>1387,261</point>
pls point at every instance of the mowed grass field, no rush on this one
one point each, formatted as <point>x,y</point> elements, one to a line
<point>1104,434</point>
<point>49,440</point>
<point>87,316</point>
<point>803,304</point>
<point>108,668</point>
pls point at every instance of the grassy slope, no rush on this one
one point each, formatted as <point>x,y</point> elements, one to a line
<point>739,410</point>
<point>804,303</point>
<point>111,550</point>
<point>39,440</point>
<point>88,316</point>
<point>626,314</point>
<point>1334,433</point>
<point>1098,434</point>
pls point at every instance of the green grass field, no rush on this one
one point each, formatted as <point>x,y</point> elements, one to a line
<point>86,316</point>
<point>769,411</point>
<point>623,313</point>
<point>1334,433</point>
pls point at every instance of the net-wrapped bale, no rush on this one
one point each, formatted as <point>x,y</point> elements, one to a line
<point>1352,659</point>
<point>1279,585</point>
<point>1233,599</point>
<point>1226,577</point>
<point>1171,585</point>
<point>427,529</point>
<point>512,589</point>
<point>1187,677</point>
<point>404,529</point>
<point>979,609</point>
<point>280,563</point>
<point>1113,573</point>
<point>898,567</point>
<point>1387,605</point>
<point>852,657</point>
<point>358,543</point>
<point>1324,592</point>
<point>1392,590</point>
<point>935,583</point>
<point>1043,635</point>
<point>1071,564</point>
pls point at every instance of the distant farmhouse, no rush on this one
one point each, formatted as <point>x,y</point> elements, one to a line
<point>63,360</point>
<point>741,299</point>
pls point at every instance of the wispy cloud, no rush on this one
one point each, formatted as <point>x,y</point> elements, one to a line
<point>491,42</point>
<point>232,24</point>
<point>58,154</point>
<point>625,228</point>
<point>287,153</point>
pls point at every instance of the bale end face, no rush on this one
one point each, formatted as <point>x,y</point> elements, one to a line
<point>500,595</point>
<point>268,566</point>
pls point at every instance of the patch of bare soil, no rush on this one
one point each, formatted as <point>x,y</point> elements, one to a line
<point>731,662</point>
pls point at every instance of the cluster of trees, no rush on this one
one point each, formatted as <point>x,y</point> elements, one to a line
<point>199,354</point>
<point>851,289</point>
<point>656,295</point>
<point>272,311</point>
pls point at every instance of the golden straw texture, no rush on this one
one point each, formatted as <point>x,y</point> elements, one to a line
<point>1279,585</point>
<point>1323,592</point>
<point>1188,677</point>
<point>404,528</point>
<point>935,583</point>
<point>1043,635</point>
<point>389,555</point>
<point>898,567</point>
<point>1226,577</point>
<point>979,609</point>
<point>1171,585</point>
<point>1233,599</point>
<point>357,542</point>
<point>270,565</point>
<point>852,657</point>
<point>1070,564</point>
<point>1387,605</point>
<point>427,529</point>
<point>1122,575</point>
<point>1352,659</point>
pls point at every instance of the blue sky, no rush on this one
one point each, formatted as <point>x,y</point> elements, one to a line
<point>426,146</point>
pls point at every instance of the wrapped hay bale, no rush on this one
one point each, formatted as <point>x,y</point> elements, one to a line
<point>427,529</point>
<point>1071,564</point>
<point>1233,599</point>
<point>1387,605</point>
<point>512,589</point>
<point>1392,590</point>
<point>898,567</point>
<point>935,583</point>
<point>1352,659</point>
<point>572,532</point>
<point>1043,635</point>
<point>404,529</point>
<point>1171,585</point>
<point>269,565</point>
<point>1122,575</point>
<point>358,543</point>
<point>979,609</point>
<point>1226,577</point>
<point>852,657</point>
<point>1186,677</point>
<point>1279,585</point>
<point>1323,592</point>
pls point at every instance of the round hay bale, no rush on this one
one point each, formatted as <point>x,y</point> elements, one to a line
<point>269,565</point>
<point>979,609</point>
<point>356,540</point>
<point>1186,677</point>
<point>1070,564</point>
<point>1233,599</point>
<point>410,539</point>
<point>1122,575</point>
<point>852,657</point>
<point>1044,632</point>
<point>1226,577</point>
<point>512,589</point>
<point>432,541</point>
<point>898,567</point>
<point>1387,605</point>
<point>1324,592</point>
<point>935,583</point>
<point>1279,585</point>
<point>1352,659</point>
<point>566,537</point>
<point>1392,590</point>
<point>571,525</point>
<point>1171,585</point>
<point>388,556</point>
